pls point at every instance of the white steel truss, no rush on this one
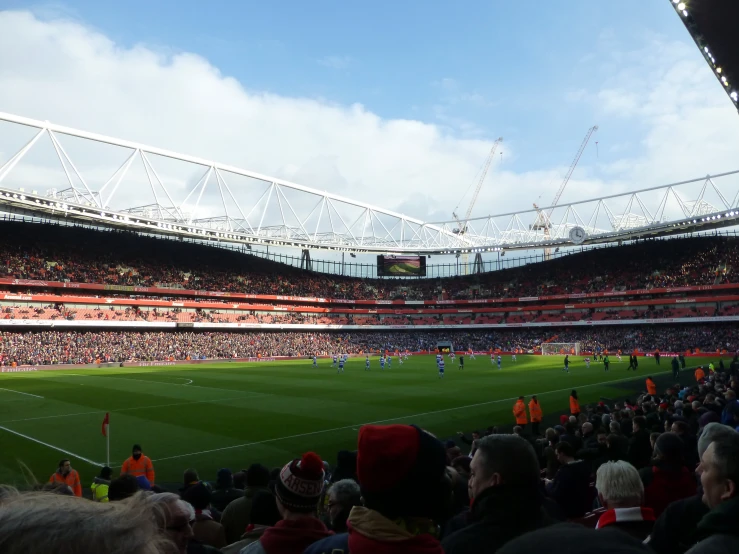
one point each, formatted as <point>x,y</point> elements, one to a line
<point>226,203</point>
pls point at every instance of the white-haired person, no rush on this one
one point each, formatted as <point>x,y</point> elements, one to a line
<point>49,523</point>
<point>621,493</point>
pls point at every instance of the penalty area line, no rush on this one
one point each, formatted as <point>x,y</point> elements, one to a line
<point>355,426</point>
<point>47,445</point>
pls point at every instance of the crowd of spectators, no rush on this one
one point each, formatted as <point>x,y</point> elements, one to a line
<point>51,253</point>
<point>55,347</point>
<point>658,474</point>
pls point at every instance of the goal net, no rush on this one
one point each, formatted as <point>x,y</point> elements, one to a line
<point>560,348</point>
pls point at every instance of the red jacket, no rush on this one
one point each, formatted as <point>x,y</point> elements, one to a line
<point>71,479</point>
<point>665,485</point>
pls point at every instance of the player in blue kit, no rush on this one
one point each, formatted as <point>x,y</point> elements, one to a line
<point>382,362</point>
<point>366,363</point>
<point>341,366</point>
<point>389,361</point>
<point>441,368</point>
<point>315,361</point>
<point>499,360</point>
<point>336,359</point>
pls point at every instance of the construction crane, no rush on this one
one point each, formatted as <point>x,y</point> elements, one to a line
<point>462,224</point>
<point>543,220</point>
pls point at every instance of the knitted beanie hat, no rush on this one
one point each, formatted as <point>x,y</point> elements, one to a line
<point>300,484</point>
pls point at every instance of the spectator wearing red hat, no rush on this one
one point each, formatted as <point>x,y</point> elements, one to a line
<point>298,491</point>
<point>406,492</point>
<point>505,488</point>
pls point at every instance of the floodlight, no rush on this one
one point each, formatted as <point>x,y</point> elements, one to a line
<point>681,6</point>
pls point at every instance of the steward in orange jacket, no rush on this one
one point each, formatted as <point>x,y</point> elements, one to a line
<point>519,410</point>
<point>138,464</point>
<point>535,414</point>
<point>651,387</point>
<point>574,404</point>
<point>700,374</point>
<point>65,475</point>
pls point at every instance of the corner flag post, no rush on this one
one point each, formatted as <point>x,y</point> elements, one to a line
<point>106,434</point>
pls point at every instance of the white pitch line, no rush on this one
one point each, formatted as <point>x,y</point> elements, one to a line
<point>51,446</point>
<point>355,425</point>
<point>136,408</point>
<point>19,392</point>
<point>188,385</point>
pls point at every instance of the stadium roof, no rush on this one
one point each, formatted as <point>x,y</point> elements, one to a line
<point>713,25</point>
<point>229,204</point>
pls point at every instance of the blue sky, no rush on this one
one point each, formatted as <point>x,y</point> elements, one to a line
<point>394,103</point>
<point>482,68</point>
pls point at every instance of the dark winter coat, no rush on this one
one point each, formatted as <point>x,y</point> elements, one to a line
<point>640,449</point>
<point>674,530</point>
<point>236,516</point>
<point>498,515</point>
<point>718,531</point>
<point>571,489</point>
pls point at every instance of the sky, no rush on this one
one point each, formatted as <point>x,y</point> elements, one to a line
<point>392,103</point>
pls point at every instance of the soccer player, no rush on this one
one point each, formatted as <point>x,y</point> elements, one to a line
<point>336,359</point>
<point>618,355</point>
<point>438,357</point>
<point>400,359</point>
<point>341,365</point>
<point>366,363</point>
<point>315,361</point>
<point>513,357</point>
<point>441,368</point>
<point>389,361</point>
<point>472,354</point>
<point>492,358</point>
<point>566,368</point>
<point>587,362</point>
<point>606,362</point>
<point>499,360</point>
<point>461,362</point>
<point>382,362</point>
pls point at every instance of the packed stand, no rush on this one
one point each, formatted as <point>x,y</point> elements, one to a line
<point>80,347</point>
<point>50,253</point>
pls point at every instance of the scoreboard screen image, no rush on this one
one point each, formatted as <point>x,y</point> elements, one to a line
<point>398,266</point>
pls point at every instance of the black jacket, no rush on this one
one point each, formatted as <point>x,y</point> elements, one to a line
<point>718,531</point>
<point>571,489</point>
<point>674,530</point>
<point>498,515</point>
<point>640,449</point>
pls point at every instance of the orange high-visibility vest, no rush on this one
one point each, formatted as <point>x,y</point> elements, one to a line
<point>142,466</point>
<point>71,479</point>
<point>535,411</point>
<point>651,387</point>
<point>519,410</point>
<point>700,374</point>
<point>574,406</point>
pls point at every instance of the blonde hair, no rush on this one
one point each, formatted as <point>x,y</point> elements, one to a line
<point>43,522</point>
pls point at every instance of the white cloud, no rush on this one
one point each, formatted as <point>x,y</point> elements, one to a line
<point>73,75</point>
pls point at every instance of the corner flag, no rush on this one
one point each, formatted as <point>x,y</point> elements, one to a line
<point>106,422</point>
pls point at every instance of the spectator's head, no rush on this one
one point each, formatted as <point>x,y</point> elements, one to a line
<point>669,448</point>
<point>65,466</point>
<point>475,435</point>
<point>730,395</point>
<point>342,497</point>
<point>602,435</point>
<point>565,452</point>
<point>106,473</point>
<point>587,428</point>
<point>551,435</point>
<point>122,487</point>
<point>190,477</point>
<point>711,432</point>
<point>174,517</point>
<point>653,439</point>
<point>402,472</point>
<point>198,496</point>
<point>461,465</point>
<point>719,470</point>
<point>224,479</point>
<point>503,461</point>
<point>639,423</point>
<point>615,428</point>
<point>239,479</point>
<point>257,476</point>
<point>42,522</point>
<point>518,430</point>
<point>679,428</point>
<point>136,451</point>
<point>619,485</point>
<point>300,484</point>
<point>264,509</point>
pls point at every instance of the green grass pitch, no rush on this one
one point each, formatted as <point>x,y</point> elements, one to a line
<point>234,414</point>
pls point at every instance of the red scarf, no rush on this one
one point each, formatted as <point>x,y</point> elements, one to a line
<point>625,515</point>
<point>293,536</point>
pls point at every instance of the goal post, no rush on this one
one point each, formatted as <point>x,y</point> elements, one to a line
<point>560,348</point>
